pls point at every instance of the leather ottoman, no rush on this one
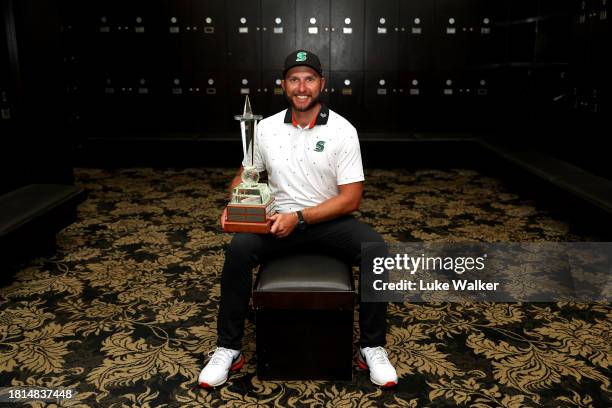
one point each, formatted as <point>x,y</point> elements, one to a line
<point>304,319</point>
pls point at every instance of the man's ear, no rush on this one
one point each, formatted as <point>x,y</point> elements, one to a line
<point>322,83</point>
<point>283,84</point>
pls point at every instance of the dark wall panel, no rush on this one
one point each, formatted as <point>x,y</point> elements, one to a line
<point>313,28</point>
<point>240,84</point>
<point>347,36</point>
<point>122,59</point>
<point>417,34</point>
<point>381,34</point>
<point>209,35</point>
<point>451,34</point>
<point>274,98</point>
<point>278,37</point>
<point>211,109</point>
<point>346,94</point>
<point>381,97</point>
<point>243,34</point>
<point>176,42</point>
<point>487,33</point>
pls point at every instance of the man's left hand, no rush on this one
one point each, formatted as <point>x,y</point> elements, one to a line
<point>283,224</point>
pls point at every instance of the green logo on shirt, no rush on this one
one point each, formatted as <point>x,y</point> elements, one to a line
<point>301,56</point>
<point>320,146</point>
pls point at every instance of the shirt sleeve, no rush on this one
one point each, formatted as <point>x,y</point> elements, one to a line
<point>349,167</point>
<point>258,160</point>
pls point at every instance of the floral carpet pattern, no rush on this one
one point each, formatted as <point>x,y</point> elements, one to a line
<point>125,312</point>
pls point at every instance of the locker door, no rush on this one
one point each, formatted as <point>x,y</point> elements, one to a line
<point>243,34</point>
<point>209,35</point>
<point>105,62</point>
<point>380,101</point>
<point>176,103</point>
<point>487,98</point>
<point>210,109</point>
<point>76,26</point>
<point>451,28</point>
<point>346,95</point>
<point>312,28</point>
<point>240,84</point>
<point>273,95</point>
<point>417,34</point>
<point>451,96</point>
<point>147,28</point>
<point>106,49</point>
<point>278,20</point>
<point>74,38</point>
<point>347,25</point>
<point>381,34</point>
<point>416,97</point>
<point>176,44</point>
<point>487,34</point>
<point>145,32</point>
<point>518,89</point>
<point>477,104</point>
<point>146,99</point>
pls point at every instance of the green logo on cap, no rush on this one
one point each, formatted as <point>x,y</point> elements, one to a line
<point>301,56</point>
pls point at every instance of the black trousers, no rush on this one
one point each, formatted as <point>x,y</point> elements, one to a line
<point>341,237</point>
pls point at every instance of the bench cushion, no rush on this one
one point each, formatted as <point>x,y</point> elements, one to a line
<point>303,273</point>
<point>24,204</point>
<point>305,281</point>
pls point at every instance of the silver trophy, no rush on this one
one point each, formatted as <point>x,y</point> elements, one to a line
<point>252,203</point>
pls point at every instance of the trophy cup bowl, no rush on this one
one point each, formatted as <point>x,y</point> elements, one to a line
<point>252,204</point>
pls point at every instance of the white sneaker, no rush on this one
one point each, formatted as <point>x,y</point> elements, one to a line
<point>375,359</point>
<point>221,362</point>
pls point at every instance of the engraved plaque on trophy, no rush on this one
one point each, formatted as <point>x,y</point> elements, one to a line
<point>252,204</point>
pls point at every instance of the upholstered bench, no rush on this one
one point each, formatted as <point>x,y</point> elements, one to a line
<point>31,215</point>
<point>304,319</point>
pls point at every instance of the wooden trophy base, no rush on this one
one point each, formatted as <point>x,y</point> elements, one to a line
<point>251,227</point>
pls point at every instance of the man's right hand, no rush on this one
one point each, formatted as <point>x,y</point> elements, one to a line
<point>223,217</point>
<point>283,224</point>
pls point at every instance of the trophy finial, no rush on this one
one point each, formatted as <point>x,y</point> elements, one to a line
<point>247,107</point>
<point>247,115</point>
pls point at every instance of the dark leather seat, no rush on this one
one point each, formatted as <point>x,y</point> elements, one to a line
<point>311,272</point>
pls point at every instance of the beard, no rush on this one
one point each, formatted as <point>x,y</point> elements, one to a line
<point>313,102</point>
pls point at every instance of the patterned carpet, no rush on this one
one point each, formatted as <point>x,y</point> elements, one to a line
<point>126,311</point>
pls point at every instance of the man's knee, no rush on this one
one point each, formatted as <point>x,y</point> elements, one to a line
<point>244,246</point>
<point>365,233</point>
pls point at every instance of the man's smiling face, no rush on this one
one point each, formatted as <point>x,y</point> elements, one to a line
<point>303,86</point>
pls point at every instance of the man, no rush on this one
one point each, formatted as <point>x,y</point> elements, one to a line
<point>313,161</point>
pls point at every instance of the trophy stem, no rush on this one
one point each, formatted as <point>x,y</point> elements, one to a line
<point>252,203</point>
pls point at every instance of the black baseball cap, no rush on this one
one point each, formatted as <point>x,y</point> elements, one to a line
<point>302,57</point>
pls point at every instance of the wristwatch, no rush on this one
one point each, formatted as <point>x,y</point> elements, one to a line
<point>301,225</point>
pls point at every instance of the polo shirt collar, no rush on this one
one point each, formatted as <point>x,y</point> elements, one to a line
<point>320,119</point>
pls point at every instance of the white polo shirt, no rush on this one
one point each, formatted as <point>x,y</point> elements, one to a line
<point>306,165</point>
